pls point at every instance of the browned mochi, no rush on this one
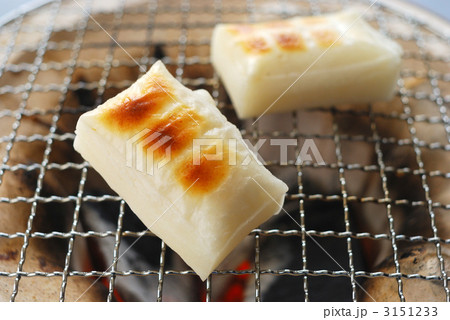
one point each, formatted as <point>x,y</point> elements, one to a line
<point>290,41</point>
<point>205,176</point>
<point>133,114</point>
<point>181,124</point>
<point>256,45</point>
<point>191,193</point>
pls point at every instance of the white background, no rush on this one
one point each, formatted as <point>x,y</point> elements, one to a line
<point>209,311</point>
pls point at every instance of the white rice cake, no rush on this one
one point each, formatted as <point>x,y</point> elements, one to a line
<point>259,62</point>
<point>202,209</point>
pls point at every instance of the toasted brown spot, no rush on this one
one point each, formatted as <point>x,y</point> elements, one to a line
<point>181,126</point>
<point>325,37</point>
<point>206,176</point>
<point>256,45</point>
<point>290,41</point>
<point>134,113</point>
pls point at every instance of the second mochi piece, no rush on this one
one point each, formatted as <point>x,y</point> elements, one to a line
<point>303,62</point>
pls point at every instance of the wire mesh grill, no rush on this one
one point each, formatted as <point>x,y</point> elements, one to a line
<point>55,51</point>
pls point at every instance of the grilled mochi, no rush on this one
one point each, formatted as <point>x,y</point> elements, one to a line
<point>181,167</point>
<point>304,62</point>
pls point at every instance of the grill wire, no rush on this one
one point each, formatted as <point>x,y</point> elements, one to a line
<point>13,37</point>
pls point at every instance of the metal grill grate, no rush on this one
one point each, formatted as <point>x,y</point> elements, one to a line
<point>58,41</point>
